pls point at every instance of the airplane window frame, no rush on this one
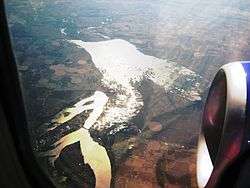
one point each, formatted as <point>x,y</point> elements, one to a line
<point>12,104</point>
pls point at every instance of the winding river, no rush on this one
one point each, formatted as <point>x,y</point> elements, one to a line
<point>121,64</point>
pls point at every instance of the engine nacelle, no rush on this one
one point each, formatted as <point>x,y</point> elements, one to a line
<point>224,134</point>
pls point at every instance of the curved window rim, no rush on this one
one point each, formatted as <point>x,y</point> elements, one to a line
<point>14,112</point>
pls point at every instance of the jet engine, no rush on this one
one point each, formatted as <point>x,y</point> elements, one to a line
<point>224,140</point>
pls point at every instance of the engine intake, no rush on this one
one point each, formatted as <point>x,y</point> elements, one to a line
<point>223,136</point>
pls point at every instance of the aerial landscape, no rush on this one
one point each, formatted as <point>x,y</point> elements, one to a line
<point>114,90</point>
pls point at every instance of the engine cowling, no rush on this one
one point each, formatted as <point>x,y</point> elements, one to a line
<point>225,126</point>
